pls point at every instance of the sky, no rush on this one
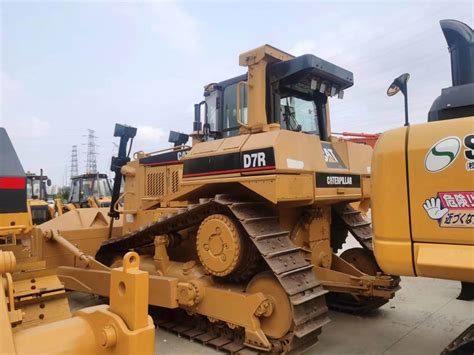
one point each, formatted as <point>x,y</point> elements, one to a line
<point>66,67</point>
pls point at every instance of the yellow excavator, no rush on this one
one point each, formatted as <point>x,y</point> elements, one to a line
<point>423,183</point>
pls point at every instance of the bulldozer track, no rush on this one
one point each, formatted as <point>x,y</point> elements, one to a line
<point>284,259</point>
<point>359,227</point>
<point>198,329</point>
<point>353,220</point>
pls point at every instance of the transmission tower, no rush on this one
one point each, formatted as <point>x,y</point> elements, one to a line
<point>74,165</point>
<point>91,162</point>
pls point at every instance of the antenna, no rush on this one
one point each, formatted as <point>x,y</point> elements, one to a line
<point>91,162</point>
<point>74,165</point>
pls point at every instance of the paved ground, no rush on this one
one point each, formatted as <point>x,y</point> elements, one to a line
<point>422,319</point>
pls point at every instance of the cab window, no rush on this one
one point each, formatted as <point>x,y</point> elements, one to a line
<point>87,188</point>
<point>230,126</point>
<point>299,115</point>
<point>104,188</point>
<point>74,194</point>
<point>29,188</point>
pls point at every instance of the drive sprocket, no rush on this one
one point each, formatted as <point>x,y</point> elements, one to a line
<point>219,245</point>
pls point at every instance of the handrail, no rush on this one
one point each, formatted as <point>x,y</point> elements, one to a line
<point>121,197</point>
<point>179,148</point>
<point>123,210</point>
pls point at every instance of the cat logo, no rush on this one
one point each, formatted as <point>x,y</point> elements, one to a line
<point>181,154</point>
<point>329,156</point>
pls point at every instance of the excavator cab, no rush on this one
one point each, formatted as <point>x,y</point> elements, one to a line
<point>423,198</point>
<point>422,179</point>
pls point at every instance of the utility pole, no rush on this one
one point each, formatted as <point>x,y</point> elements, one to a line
<point>91,162</point>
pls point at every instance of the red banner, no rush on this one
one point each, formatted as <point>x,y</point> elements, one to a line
<point>11,183</point>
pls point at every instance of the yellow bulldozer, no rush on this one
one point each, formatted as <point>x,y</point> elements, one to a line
<point>34,310</point>
<point>241,233</point>
<point>48,327</point>
<point>423,184</point>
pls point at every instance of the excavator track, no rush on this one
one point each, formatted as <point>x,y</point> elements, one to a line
<point>284,259</point>
<point>352,220</point>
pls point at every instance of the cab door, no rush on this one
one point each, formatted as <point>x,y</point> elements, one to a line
<point>441,181</point>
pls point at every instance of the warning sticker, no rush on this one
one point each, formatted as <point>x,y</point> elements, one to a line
<point>452,209</point>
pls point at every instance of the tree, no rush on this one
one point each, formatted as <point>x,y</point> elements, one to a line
<point>63,193</point>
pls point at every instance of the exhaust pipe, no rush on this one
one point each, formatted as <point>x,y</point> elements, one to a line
<point>460,40</point>
<point>457,101</point>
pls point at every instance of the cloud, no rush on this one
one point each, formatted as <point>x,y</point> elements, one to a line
<point>8,84</point>
<point>175,26</point>
<point>11,92</point>
<point>30,128</point>
<point>304,46</point>
<point>149,134</point>
<point>150,138</point>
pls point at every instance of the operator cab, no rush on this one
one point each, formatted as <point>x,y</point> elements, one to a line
<point>296,98</point>
<point>89,185</point>
<point>36,186</point>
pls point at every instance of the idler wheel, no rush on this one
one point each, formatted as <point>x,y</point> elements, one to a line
<point>279,321</point>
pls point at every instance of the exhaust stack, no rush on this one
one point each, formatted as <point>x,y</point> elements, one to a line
<point>457,101</point>
<point>460,40</point>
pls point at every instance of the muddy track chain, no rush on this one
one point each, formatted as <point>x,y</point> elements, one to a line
<point>361,229</point>
<point>285,260</point>
<point>353,220</point>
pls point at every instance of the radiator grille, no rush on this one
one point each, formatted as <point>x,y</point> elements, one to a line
<point>155,182</point>
<point>174,180</point>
